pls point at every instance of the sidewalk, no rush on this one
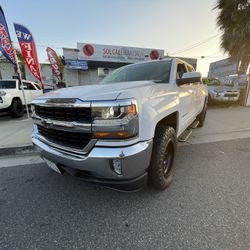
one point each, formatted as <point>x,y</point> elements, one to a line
<point>15,132</point>
<point>223,124</point>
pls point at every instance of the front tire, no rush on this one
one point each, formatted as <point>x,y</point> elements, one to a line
<point>161,168</point>
<point>16,108</point>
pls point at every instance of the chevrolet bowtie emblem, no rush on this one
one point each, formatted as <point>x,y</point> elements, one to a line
<point>46,123</point>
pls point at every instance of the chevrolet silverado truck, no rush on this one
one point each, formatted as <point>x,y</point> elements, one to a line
<point>122,132</point>
<point>11,95</point>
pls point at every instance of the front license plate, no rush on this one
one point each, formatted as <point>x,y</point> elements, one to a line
<point>52,165</point>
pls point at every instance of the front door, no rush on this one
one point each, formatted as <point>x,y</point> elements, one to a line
<point>187,98</point>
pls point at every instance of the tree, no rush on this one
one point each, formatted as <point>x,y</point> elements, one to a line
<point>61,63</point>
<point>234,22</point>
<point>21,62</point>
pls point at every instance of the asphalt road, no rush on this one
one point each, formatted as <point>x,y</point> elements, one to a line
<point>206,207</point>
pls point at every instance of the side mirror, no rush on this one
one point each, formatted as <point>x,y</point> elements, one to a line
<point>189,77</point>
<point>25,87</point>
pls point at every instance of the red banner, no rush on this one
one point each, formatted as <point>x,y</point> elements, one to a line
<point>28,49</point>
<point>53,58</point>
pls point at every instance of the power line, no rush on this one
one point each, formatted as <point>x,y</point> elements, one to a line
<point>196,44</point>
<point>173,53</point>
<point>44,46</point>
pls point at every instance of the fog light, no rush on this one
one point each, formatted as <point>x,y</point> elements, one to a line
<point>116,165</point>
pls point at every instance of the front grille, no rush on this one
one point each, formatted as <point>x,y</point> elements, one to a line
<point>230,95</point>
<point>65,138</point>
<point>82,114</point>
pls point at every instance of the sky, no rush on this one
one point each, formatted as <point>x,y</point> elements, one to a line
<point>175,26</point>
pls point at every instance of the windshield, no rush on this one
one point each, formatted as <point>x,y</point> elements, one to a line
<point>155,71</point>
<point>7,84</point>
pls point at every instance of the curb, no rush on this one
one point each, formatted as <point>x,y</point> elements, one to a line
<point>18,150</point>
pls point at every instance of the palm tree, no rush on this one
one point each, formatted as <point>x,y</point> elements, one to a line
<point>61,63</point>
<point>234,22</point>
<point>21,61</point>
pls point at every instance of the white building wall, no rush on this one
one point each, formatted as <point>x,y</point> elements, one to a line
<point>71,78</point>
<point>81,77</point>
<point>88,77</point>
<point>7,70</point>
<point>46,72</point>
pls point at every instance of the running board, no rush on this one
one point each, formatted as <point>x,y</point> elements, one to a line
<point>194,124</point>
<point>185,135</point>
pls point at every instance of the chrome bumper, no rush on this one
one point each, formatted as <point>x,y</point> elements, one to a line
<point>135,159</point>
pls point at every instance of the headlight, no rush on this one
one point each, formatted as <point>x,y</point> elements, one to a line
<point>2,93</point>
<point>32,109</point>
<point>113,114</point>
<point>115,120</point>
<point>218,91</point>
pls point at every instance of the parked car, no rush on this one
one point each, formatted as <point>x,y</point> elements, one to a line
<point>11,95</point>
<point>123,131</point>
<point>217,92</point>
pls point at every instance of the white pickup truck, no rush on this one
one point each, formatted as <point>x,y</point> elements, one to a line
<point>11,95</point>
<point>122,132</point>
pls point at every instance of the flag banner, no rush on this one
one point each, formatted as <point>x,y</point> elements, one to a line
<point>28,49</point>
<point>5,42</point>
<point>53,58</point>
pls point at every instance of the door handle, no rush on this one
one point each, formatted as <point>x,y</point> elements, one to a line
<point>191,91</point>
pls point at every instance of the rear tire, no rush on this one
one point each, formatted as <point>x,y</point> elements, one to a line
<point>16,108</point>
<point>210,101</point>
<point>161,168</point>
<point>202,116</point>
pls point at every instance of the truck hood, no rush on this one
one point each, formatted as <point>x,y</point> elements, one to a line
<point>97,92</point>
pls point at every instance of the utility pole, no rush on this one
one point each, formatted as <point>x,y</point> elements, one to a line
<point>21,80</point>
<point>248,86</point>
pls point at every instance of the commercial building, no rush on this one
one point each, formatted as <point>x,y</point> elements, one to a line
<point>8,71</point>
<point>222,69</point>
<point>89,63</point>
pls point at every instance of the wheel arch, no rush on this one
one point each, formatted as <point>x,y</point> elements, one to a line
<point>171,120</point>
<point>16,98</point>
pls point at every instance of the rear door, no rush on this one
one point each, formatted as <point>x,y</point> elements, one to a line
<point>30,91</point>
<point>38,90</point>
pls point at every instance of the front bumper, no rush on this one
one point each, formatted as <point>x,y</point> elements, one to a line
<point>5,102</point>
<point>222,98</point>
<point>96,165</point>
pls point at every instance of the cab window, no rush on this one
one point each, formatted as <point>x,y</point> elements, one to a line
<point>181,69</point>
<point>28,86</point>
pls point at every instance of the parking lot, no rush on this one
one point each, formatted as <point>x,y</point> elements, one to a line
<point>206,206</point>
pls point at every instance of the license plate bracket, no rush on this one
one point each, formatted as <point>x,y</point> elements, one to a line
<point>52,165</point>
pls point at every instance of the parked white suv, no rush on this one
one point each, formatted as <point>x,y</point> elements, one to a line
<point>11,95</point>
<point>125,129</point>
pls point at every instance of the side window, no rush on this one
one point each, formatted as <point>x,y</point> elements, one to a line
<point>181,69</point>
<point>28,86</point>
<point>38,87</point>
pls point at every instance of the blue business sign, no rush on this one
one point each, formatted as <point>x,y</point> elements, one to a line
<point>76,64</point>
